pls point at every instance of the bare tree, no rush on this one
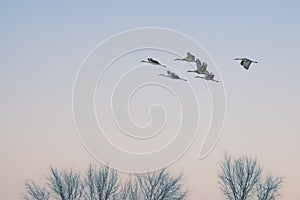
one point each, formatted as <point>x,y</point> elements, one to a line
<point>238,177</point>
<point>65,185</point>
<point>268,189</point>
<point>160,186</point>
<point>101,183</point>
<point>89,192</point>
<point>130,191</point>
<point>35,192</point>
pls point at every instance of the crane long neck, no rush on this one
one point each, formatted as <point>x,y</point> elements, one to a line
<point>164,75</point>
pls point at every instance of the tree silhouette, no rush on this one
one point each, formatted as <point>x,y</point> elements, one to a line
<point>240,179</point>
<point>35,192</point>
<point>130,190</point>
<point>268,188</point>
<point>65,184</point>
<point>103,183</point>
<point>160,185</point>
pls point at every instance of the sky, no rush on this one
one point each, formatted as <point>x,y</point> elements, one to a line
<point>43,45</point>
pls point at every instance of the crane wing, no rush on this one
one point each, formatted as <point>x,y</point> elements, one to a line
<point>190,56</point>
<point>246,63</point>
<point>153,61</point>
<point>203,67</point>
<point>198,64</point>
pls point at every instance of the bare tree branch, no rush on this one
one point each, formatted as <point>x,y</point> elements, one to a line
<point>268,189</point>
<point>130,191</point>
<point>89,192</point>
<point>65,185</point>
<point>238,177</point>
<point>101,183</point>
<point>35,192</point>
<point>160,186</point>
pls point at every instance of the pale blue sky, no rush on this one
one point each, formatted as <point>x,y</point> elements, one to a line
<point>43,44</point>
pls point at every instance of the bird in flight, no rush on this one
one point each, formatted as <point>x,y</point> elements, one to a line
<point>153,62</point>
<point>172,75</point>
<point>201,68</point>
<point>210,77</point>
<point>245,62</point>
<point>189,58</point>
